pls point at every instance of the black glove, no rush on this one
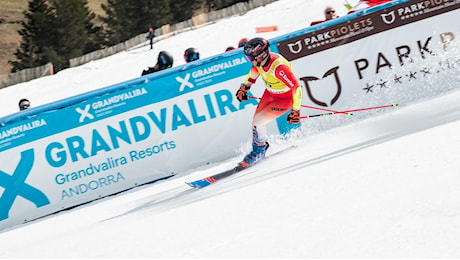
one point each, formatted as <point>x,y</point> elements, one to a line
<point>242,93</point>
<point>293,117</point>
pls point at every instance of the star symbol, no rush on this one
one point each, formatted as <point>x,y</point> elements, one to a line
<point>411,75</point>
<point>397,79</point>
<point>382,83</point>
<point>368,88</point>
<point>425,71</point>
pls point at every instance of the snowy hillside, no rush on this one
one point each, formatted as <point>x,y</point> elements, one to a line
<point>209,40</point>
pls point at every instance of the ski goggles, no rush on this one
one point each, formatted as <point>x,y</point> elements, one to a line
<point>258,58</point>
<point>24,106</point>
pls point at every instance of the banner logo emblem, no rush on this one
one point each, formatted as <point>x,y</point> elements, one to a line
<point>14,186</point>
<point>184,82</point>
<point>84,113</point>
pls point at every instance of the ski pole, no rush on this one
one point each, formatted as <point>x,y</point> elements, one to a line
<point>324,109</point>
<point>368,108</point>
<point>324,114</point>
<point>351,110</point>
<point>339,112</point>
<point>317,108</point>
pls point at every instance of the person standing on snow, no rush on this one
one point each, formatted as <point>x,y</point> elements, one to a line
<point>150,36</point>
<point>282,93</point>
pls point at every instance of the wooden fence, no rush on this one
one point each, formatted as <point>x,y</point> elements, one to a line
<point>161,33</point>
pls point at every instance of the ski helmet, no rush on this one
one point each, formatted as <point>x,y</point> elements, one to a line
<point>165,60</point>
<point>242,42</point>
<point>257,49</point>
<point>191,54</point>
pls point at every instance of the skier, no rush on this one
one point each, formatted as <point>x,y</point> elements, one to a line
<point>164,61</point>
<point>282,93</point>
<point>191,54</point>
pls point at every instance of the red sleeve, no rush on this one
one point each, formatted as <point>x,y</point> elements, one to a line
<point>285,74</point>
<point>252,76</point>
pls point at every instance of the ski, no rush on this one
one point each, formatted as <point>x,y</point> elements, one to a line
<point>201,183</point>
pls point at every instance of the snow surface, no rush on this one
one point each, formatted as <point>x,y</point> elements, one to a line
<point>386,186</point>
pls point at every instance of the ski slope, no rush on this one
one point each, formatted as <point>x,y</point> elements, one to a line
<point>383,186</point>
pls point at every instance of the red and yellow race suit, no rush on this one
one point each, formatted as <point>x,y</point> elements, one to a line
<point>282,93</point>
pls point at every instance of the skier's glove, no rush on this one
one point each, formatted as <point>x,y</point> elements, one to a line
<point>242,93</point>
<point>293,117</point>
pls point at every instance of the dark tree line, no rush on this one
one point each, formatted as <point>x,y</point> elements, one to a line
<point>59,30</point>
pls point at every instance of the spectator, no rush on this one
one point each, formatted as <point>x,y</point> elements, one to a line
<point>164,61</point>
<point>191,54</point>
<point>150,36</point>
<point>242,42</point>
<point>282,94</point>
<point>24,104</point>
<point>230,48</point>
<point>329,14</point>
<point>363,4</point>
